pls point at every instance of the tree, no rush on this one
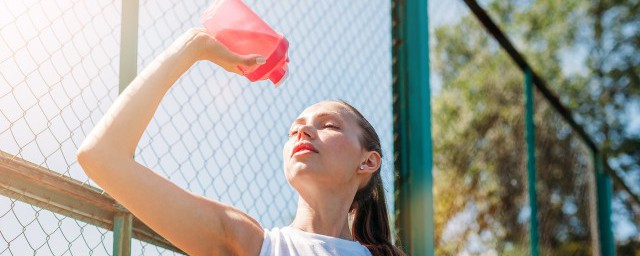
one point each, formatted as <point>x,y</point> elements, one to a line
<point>479,151</point>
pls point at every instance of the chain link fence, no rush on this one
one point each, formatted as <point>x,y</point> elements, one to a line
<point>566,187</point>
<point>217,135</point>
<point>58,62</point>
<point>214,134</point>
<point>481,202</point>
<point>578,46</point>
<point>480,175</point>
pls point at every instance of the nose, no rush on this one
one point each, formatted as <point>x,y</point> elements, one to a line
<point>304,130</point>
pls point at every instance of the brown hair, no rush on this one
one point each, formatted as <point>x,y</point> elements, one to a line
<point>369,208</point>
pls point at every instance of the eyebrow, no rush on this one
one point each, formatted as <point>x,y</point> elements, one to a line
<point>334,115</point>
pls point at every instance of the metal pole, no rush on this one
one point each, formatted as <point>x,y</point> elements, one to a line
<point>122,223</point>
<point>128,43</point>
<point>412,110</point>
<point>122,234</point>
<point>531,160</point>
<point>604,189</point>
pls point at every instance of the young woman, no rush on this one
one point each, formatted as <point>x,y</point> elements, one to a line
<point>332,158</point>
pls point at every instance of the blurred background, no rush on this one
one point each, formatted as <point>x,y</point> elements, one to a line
<point>588,53</point>
<point>63,62</point>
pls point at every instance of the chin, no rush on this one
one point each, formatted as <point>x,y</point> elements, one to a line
<point>299,171</point>
<point>299,168</point>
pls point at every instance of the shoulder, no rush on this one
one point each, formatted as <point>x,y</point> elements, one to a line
<point>243,234</point>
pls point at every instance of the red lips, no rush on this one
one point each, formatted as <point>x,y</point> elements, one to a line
<point>303,146</point>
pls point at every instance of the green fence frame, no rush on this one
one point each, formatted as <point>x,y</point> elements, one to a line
<point>531,160</point>
<point>128,70</point>
<point>413,159</point>
<point>413,156</point>
<point>412,127</point>
<point>604,190</point>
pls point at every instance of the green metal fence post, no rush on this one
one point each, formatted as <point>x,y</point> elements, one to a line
<point>122,234</point>
<point>531,160</point>
<point>122,223</point>
<point>128,43</point>
<point>412,125</point>
<point>604,189</point>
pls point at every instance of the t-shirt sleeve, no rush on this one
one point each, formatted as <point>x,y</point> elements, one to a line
<point>265,250</point>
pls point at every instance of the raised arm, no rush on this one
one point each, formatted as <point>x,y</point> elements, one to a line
<point>195,224</point>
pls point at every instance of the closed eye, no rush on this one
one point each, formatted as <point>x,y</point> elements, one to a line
<point>327,125</point>
<point>331,126</point>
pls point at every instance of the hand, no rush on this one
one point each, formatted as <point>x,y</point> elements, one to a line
<point>202,46</point>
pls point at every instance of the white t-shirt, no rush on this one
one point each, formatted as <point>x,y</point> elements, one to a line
<point>289,241</point>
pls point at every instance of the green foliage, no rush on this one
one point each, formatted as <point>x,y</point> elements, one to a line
<point>479,147</point>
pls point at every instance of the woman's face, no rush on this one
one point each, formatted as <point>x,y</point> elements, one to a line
<point>323,150</point>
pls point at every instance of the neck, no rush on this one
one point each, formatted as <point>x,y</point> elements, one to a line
<point>327,216</point>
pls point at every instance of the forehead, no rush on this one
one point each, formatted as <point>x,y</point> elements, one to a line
<point>325,109</point>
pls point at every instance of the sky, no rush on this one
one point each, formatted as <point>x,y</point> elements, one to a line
<point>214,134</point>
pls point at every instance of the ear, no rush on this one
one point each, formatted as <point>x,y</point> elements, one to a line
<point>371,162</point>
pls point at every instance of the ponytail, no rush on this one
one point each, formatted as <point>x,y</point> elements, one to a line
<point>371,220</point>
<point>369,208</point>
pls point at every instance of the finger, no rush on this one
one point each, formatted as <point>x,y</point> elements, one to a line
<point>252,60</point>
<point>239,71</point>
<point>235,70</point>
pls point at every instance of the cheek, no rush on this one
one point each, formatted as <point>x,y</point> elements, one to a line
<point>343,149</point>
<point>286,150</point>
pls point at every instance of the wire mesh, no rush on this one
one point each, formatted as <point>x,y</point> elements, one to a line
<point>565,187</point>
<point>58,70</point>
<point>141,248</point>
<point>555,38</point>
<point>214,133</point>
<point>577,46</point>
<point>222,137</point>
<point>625,218</point>
<point>58,66</point>
<point>30,230</point>
<point>480,175</point>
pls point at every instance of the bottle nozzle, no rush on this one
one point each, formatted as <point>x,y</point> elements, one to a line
<point>278,76</point>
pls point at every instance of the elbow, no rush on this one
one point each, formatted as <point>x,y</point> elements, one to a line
<point>96,160</point>
<point>83,156</point>
<point>86,152</point>
<point>93,159</point>
<point>86,159</point>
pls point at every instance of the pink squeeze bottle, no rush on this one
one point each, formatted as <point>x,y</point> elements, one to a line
<point>239,29</point>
